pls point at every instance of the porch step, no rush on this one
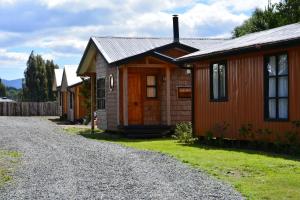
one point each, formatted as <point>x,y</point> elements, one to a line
<point>139,132</point>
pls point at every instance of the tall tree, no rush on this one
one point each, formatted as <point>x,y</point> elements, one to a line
<point>41,80</point>
<point>274,15</point>
<point>50,66</point>
<point>30,85</point>
<point>38,80</point>
<point>2,89</point>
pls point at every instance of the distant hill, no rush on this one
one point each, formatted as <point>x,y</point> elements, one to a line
<point>17,83</point>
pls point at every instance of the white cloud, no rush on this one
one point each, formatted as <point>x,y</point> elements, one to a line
<point>7,2</point>
<point>80,5</point>
<point>18,59</point>
<point>242,5</point>
<point>8,58</point>
<point>121,18</point>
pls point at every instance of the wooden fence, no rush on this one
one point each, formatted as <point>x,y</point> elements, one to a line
<point>29,109</point>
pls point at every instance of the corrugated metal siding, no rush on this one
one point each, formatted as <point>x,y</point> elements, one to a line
<point>246,96</point>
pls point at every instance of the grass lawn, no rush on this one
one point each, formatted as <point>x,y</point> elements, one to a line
<point>256,175</point>
<point>8,160</point>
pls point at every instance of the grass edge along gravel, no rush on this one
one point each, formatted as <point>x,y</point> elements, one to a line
<point>255,174</point>
<point>8,161</point>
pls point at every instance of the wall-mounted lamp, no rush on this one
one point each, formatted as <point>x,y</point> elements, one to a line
<point>111,82</point>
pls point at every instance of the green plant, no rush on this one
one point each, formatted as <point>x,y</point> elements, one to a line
<point>209,135</point>
<point>220,129</point>
<point>292,136</point>
<point>184,133</point>
<point>246,131</point>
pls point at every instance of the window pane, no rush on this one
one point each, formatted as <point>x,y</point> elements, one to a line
<point>222,81</point>
<point>283,108</point>
<point>283,64</point>
<point>151,92</point>
<point>272,87</point>
<point>283,87</point>
<point>272,108</point>
<point>215,81</point>
<point>151,80</point>
<point>272,66</point>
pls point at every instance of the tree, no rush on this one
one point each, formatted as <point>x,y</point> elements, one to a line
<point>38,80</point>
<point>50,66</point>
<point>288,11</point>
<point>2,89</point>
<point>30,86</point>
<point>274,15</point>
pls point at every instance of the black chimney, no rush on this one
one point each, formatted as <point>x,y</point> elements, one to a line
<point>175,28</point>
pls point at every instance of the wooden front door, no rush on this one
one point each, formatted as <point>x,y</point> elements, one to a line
<point>135,111</point>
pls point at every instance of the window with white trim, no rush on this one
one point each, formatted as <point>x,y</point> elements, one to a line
<point>276,87</point>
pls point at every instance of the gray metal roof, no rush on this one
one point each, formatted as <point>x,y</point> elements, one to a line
<point>71,76</point>
<point>58,76</point>
<point>119,48</point>
<point>276,35</point>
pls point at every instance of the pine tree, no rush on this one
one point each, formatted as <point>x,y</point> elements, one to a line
<point>50,66</point>
<point>38,80</point>
<point>30,91</point>
<point>2,89</point>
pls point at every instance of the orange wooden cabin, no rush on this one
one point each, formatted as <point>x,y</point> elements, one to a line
<point>71,100</point>
<point>248,82</point>
<point>138,84</point>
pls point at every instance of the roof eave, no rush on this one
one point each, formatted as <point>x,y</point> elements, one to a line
<point>241,50</point>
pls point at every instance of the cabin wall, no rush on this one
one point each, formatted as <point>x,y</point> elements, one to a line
<point>101,70</point>
<point>81,108</point>
<point>59,102</point>
<point>245,75</point>
<point>64,103</point>
<point>107,119</point>
<point>112,99</point>
<point>71,111</point>
<point>181,108</point>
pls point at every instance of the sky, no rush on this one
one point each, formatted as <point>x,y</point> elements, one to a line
<point>60,29</point>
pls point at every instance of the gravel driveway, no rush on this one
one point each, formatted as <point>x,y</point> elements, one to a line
<point>56,165</point>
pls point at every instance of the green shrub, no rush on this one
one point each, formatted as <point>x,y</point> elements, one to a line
<point>246,131</point>
<point>184,133</point>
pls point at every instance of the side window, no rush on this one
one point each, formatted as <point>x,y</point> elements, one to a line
<point>101,93</point>
<point>218,82</point>
<point>151,87</point>
<point>276,87</point>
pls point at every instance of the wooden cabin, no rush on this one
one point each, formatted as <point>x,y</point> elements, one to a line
<point>72,100</point>
<point>138,84</point>
<point>251,83</point>
<point>56,86</point>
